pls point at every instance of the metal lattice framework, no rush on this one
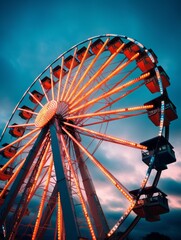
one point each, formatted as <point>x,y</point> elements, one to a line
<point>83,119</point>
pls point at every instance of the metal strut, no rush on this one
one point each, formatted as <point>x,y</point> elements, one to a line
<point>23,204</point>
<point>70,223</point>
<point>5,208</point>
<point>95,206</point>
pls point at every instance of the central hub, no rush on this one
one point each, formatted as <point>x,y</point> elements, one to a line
<point>46,113</point>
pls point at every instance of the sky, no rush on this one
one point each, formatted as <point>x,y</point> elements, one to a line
<point>34,33</point>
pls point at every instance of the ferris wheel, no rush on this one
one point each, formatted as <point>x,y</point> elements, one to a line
<point>84,149</point>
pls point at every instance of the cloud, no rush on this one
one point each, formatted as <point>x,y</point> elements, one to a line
<point>171,186</point>
<point>170,220</point>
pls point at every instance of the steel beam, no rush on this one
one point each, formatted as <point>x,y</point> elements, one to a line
<point>93,200</point>
<point>9,200</point>
<point>70,223</point>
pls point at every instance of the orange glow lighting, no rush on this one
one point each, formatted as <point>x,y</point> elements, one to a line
<point>109,93</point>
<point>104,81</point>
<point>38,219</point>
<point>79,191</point>
<point>101,69</point>
<point>116,111</point>
<point>60,79</point>
<point>108,137</point>
<point>68,76</point>
<point>117,184</point>
<point>77,72</point>
<point>87,70</point>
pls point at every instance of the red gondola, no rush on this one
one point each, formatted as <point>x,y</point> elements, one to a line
<point>4,176</point>
<point>8,152</point>
<point>130,49</point>
<point>68,62</point>
<point>25,114</point>
<point>96,46</point>
<point>37,95</point>
<point>145,63</point>
<point>17,131</point>
<point>46,82</point>
<point>114,44</point>
<point>57,70</point>
<point>81,52</point>
<point>170,113</point>
<point>152,81</point>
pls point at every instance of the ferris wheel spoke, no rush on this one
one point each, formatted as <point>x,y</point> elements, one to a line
<point>52,83</point>
<point>120,97</point>
<point>109,104</point>
<point>106,137</point>
<point>110,112</point>
<point>84,208</point>
<point>28,111</point>
<point>109,93</point>
<point>77,72</point>
<point>123,78</point>
<point>87,70</point>
<point>43,90</point>
<point>112,119</point>
<point>104,81</point>
<point>20,139</point>
<point>60,79</point>
<point>22,125</point>
<point>115,182</point>
<point>98,72</point>
<point>40,211</point>
<point>35,99</point>
<point>18,153</point>
<point>68,76</point>
<point>10,181</point>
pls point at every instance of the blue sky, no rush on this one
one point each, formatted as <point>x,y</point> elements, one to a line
<point>34,33</point>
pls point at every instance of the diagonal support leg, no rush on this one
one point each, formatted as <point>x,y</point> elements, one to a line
<point>71,229</point>
<point>93,200</point>
<point>4,210</point>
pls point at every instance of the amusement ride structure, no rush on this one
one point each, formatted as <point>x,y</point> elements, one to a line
<point>93,128</point>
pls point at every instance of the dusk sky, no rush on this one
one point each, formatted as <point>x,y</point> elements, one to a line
<point>34,33</point>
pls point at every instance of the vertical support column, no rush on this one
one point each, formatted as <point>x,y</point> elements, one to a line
<point>4,210</point>
<point>70,223</point>
<point>94,204</point>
